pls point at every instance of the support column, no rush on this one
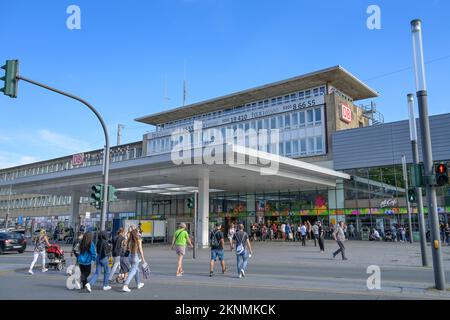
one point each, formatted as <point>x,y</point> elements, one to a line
<point>203,209</point>
<point>75,210</point>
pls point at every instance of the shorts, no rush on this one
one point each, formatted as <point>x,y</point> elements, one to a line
<point>217,253</point>
<point>180,250</point>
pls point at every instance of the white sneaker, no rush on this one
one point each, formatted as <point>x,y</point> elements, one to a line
<point>44,270</point>
<point>30,272</point>
<point>240,275</point>
<point>140,285</point>
<point>106,288</point>
<point>88,287</point>
<point>242,272</point>
<point>126,289</point>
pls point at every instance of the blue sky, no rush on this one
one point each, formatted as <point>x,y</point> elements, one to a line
<point>125,50</point>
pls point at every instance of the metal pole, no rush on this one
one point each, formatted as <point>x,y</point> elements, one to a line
<point>408,207</point>
<point>9,201</point>
<point>105,131</point>
<point>119,134</point>
<point>195,226</point>
<point>418,189</point>
<point>422,98</point>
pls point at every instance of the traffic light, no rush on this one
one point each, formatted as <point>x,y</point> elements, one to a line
<point>112,193</point>
<point>412,197</point>
<point>97,195</point>
<point>10,78</point>
<point>190,203</point>
<point>441,174</point>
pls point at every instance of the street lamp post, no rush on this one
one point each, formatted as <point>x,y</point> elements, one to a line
<point>419,70</point>
<point>418,189</point>
<point>408,207</point>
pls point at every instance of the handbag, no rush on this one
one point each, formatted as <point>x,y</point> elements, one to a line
<point>146,270</point>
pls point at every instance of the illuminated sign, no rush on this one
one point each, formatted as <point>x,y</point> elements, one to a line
<point>346,114</point>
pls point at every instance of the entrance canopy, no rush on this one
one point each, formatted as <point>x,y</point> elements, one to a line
<point>251,171</point>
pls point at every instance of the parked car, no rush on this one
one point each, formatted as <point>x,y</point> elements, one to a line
<point>12,241</point>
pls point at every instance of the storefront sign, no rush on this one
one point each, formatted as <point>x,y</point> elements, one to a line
<point>388,203</point>
<point>78,159</point>
<point>346,114</point>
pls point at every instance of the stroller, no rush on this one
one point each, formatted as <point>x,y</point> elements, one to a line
<point>56,257</point>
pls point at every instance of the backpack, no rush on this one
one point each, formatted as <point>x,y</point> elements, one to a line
<point>215,243</point>
<point>108,247</point>
<point>240,249</point>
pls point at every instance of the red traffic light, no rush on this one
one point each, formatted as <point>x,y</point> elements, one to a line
<point>441,168</point>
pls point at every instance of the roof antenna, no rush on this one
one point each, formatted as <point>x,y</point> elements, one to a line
<point>184,85</point>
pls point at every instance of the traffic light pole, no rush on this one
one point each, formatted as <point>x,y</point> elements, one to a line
<point>195,225</point>
<point>439,276</point>
<point>105,131</point>
<point>422,225</point>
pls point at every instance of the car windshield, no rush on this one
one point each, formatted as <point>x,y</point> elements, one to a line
<point>14,235</point>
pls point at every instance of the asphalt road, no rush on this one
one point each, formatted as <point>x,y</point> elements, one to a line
<point>276,271</point>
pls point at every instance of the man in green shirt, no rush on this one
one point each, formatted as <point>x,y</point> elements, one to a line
<point>180,238</point>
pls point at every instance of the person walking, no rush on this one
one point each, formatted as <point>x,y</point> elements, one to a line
<point>231,232</point>
<point>288,232</point>
<point>351,229</point>
<point>85,258</point>
<point>117,248</point>
<point>315,233</point>
<point>102,262</point>
<point>180,238</point>
<point>216,239</point>
<point>243,250</point>
<point>39,250</point>
<point>124,261</point>
<point>321,236</point>
<point>134,245</point>
<point>309,229</point>
<point>403,233</point>
<point>339,237</point>
<point>303,233</point>
<point>283,231</point>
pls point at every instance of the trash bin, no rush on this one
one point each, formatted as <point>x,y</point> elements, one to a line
<point>365,233</point>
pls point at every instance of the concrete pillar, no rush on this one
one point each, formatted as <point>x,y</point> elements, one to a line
<point>75,210</point>
<point>203,209</point>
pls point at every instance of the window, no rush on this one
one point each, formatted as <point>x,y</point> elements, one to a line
<point>316,92</point>
<point>302,146</point>
<point>260,124</point>
<point>301,118</point>
<point>310,145</point>
<point>287,120</point>
<point>318,115</point>
<point>287,99</point>
<point>295,147</point>
<point>293,97</point>
<point>310,117</point>
<point>301,95</point>
<point>266,123</point>
<point>288,147</point>
<point>247,126</point>
<point>280,100</point>
<point>319,144</point>
<point>322,91</point>
<point>280,122</point>
<point>253,125</point>
<point>307,94</point>
<point>281,148</point>
<point>273,101</point>
<point>273,123</point>
<point>294,119</point>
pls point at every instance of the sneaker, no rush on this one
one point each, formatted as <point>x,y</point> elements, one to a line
<point>242,272</point>
<point>240,275</point>
<point>44,270</point>
<point>88,287</point>
<point>106,288</point>
<point>140,285</point>
<point>179,274</point>
<point>126,289</point>
<point>210,273</point>
<point>30,272</point>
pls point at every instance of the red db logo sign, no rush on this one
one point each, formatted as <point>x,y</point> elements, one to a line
<point>346,114</point>
<point>78,159</point>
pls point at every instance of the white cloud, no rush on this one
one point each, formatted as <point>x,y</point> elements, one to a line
<point>64,142</point>
<point>12,159</point>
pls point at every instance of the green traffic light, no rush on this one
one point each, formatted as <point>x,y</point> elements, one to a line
<point>412,197</point>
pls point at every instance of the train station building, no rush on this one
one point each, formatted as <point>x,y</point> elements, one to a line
<point>299,149</point>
